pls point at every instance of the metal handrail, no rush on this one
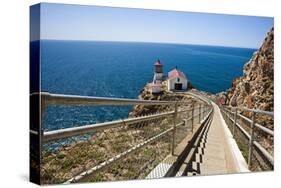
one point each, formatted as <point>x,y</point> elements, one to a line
<point>251,137</point>
<point>114,159</point>
<point>198,96</point>
<point>60,99</point>
<point>251,110</point>
<point>266,130</point>
<point>75,131</point>
<point>257,145</point>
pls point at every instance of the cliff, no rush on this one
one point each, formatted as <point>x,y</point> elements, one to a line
<point>255,88</point>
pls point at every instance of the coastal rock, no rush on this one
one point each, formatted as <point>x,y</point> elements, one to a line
<point>145,94</point>
<point>255,88</point>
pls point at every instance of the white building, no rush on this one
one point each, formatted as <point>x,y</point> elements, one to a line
<point>177,80</point>
<point>156,85</point>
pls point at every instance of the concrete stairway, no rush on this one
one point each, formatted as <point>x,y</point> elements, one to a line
<point>210,154</point>
<point>214,151</point>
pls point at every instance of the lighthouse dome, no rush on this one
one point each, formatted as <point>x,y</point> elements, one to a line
<point>158,63</point>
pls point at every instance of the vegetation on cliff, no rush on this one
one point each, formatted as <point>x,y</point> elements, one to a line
<point>255,88</point>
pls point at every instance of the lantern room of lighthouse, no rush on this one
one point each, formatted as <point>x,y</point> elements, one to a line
<point>158,70</point>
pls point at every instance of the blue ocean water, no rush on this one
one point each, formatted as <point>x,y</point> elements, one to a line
<point>121,69</point>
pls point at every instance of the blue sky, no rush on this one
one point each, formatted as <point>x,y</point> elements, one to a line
<point>75,22</point>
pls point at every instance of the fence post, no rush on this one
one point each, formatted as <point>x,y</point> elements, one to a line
<point>192,117</point>
<point>251,141</point>
<point>199,113</point>
<point>234,123</point>
<point>174,128</point>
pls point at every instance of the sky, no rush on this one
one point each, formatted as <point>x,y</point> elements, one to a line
<point>78,22</point>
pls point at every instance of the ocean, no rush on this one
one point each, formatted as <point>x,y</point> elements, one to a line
<point>121,69</point>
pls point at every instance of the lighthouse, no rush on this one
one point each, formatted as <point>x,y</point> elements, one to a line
<point>158,70</point>
<point>157,78</point>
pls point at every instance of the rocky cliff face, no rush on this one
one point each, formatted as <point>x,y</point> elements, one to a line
<point>255,88</point>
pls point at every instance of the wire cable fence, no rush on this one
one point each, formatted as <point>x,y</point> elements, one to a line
<point>116,150</point>
<point>254,134</point>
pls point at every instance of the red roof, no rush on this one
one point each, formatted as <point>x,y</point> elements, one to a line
<point>158,63</point>
<point>176,73</point>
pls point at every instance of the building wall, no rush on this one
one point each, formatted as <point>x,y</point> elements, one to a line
<point>172,81</point>
<point>155,88</point>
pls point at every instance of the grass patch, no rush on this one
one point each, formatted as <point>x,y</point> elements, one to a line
<point>61,155</point>
<point>244,150</point>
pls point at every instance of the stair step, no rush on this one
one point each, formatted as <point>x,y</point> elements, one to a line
<point>200,151</point>
<point>195,166</point>
<point>202,145</point>
<point>192,174</point>
<point>198,158</point>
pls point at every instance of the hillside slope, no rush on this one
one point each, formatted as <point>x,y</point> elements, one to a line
<point>255,88</point>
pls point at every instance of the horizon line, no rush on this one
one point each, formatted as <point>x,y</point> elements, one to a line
<point>89,40</point>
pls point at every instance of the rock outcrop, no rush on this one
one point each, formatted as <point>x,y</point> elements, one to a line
<point>255,88</point>
<point>145,94</point>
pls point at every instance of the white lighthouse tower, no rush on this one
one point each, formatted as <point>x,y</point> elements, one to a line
<point>158,70</point>
<point>157,78</point>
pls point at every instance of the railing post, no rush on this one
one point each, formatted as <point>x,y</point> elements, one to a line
<point>199,113</point>
<point>228,119</point>
<point>174,128</point>
<point>251,140</point>
<point>203,112</point>
<point>234,123</point>
<point>192,117</point>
